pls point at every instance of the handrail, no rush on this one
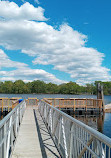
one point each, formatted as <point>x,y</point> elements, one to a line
<point>32,101</point>
<point>9,114</point>
<point>47,101</point>
<point>86,104</point>
<point>73,138</point>
<point>9,127</point>
<point>7,104</point>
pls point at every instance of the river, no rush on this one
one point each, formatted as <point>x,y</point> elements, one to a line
<point>101,122</point>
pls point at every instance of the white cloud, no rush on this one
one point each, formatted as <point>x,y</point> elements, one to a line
<point>22,71</point>
<point>33,74</point>
<point>64,48</point>
<point>28,74</point>
<point>37,1</point>
<point>10,10</point>
<point>6,62</point>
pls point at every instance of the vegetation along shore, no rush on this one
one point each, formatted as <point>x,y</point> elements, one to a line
<point>20,87</point>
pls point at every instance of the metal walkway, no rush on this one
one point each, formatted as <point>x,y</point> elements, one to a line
<point>28,132</point>
<point>33,140</point>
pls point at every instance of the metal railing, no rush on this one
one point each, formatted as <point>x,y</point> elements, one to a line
<point>9,128</point>
<point>73,138</point>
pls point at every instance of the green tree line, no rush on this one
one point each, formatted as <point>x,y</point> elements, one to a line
<point>20,87</point>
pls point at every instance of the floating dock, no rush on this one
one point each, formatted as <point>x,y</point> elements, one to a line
<point>77,105</point>
<point>8,104</point>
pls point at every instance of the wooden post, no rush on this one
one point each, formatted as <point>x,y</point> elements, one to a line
<point>74,105</point>
<point>28,101</point>
<point>86,105</point>
<point>36,102</point>
<point>54,102</point>
<point>2,105</point>
<point>59,104</point>
<point>8,104</point>
<point>100,94</point>
<point>100,122</point>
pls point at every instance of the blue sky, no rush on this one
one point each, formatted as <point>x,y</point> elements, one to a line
<point>55,41</point>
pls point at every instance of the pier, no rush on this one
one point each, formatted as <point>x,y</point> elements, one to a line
<point>8,104</point>
<point>77,105</point>
<point>37,129</point>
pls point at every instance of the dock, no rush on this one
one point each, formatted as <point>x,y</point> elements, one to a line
<point>37,129</point>
<point>8,104</point>
<point>77,105</point>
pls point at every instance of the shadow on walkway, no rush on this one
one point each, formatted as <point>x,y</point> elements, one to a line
<point>47,145</point>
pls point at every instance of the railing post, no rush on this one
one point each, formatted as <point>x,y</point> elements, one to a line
<point>75,142</point>
<point>71,141</point>
<point>59,103</point>
<point>0,141</point>
<point>86,105</point>
<point>8,104</point>
<point>64,138</point>
<point>59,131</point>
<point>54,102</point>
<point>12,137</point>
<point>74,105</point>
<point>2,105</point>
<point>4,144</point>
<point>50,121</point>
<point>100,94</point>
<point>8,139</point>
<point>16,123</point>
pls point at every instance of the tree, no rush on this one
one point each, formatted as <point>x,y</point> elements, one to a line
<point>19,87</point>
<point>90,88</point>
<point>1,87</point>
<point>38,87</point>
<point>7,87</point>
<point>52,88</point>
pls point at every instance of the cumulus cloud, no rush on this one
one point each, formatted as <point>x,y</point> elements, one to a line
<point>64,48</point>
<point>29,74</point>
<point>10,10</point>
<point>33,74</point>
<point>22,71</point>
<point>6,62</point>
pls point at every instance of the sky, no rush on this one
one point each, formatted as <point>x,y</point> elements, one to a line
<point>55,41</point>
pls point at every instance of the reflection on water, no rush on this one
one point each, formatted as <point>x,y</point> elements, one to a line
<point>101,122</point>
<point>94,121</point>
<point>3,115</point>
<point>107,125</point>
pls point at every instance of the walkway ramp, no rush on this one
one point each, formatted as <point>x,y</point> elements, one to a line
<point>33,140</point>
